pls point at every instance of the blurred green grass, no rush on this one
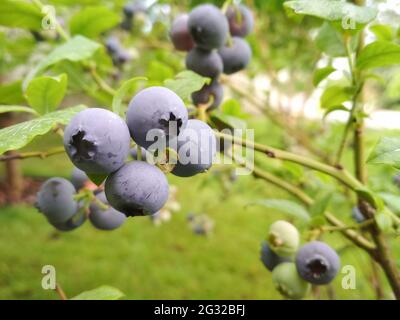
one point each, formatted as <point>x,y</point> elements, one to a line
<point>165,262</point>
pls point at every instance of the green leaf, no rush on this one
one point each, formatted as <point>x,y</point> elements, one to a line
<point>92,21</point>
<point>226,121</point>
<point>335,95</point>
<point>379,54</point>
<point>44,94</point>
<point>97,179</point>
<point>321,203</point>
<point>333,10</point>
<point>21,134</point>
<point>4,109</point>
<point>78,48</point>
<point>185,83</point>
<point>127,87</point>
<point>291,208</point>
<point>330,41</point>
<point>335,108</point>
<point>20,14</point>
<point>11,93</point>
<point>101,293</point>
<point>321,74</point>
<point>232,107</point>
<point>384,221</point>
<point>386,151</point>
<point>391,200</point>
<point>382,32</point>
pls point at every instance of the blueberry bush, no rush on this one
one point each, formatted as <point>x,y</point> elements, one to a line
<point>139,93</point>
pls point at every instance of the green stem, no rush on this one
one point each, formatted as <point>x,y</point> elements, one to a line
<point>33,154</point>
<point>339,174</point>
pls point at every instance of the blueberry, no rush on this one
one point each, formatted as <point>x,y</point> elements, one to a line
<point>180,34</point>
<point>158,111</point>
<point>131,8</point>
<point>317,263</point>
<point>126,24</point>
<point>196,149</point>
<point>396,180</point>
<point>357,215</point>
<point>241,20</point>
<point>55,200</point>
<point>283,238</point>
<point>79,178</point>
<point>137,189</point>
<point>214,91</point>
<point>235,57</point>
<point>102,219</point>
<point>97,141</point>
<point>208,26</point>
<point>269,258</point>
<point>113,45</point>
<point>205,63</point>
<point>71,224</point>
<point>121,57</point>
<point>288,282</point>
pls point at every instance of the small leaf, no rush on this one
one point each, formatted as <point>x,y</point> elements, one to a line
<point>11,93</point>
<point>92,21</point>
<point>387,151</point>
<point>232,107</point>
<point>384,221</point>
<point>321,74</point>
<point>78,48</point>
<point>4,109</point>
<point>335,95</point>
<point>379,54</point>
<point>391,200</point>
<point>97,179</point>
<point>382,32</point>
<point>20,14</point>
<point>333,10</point>
<point>126,87</point>
<point>185,83</point>
<point>330,41</point>
<point>21,134</point>
<point>335,108</point>
<point>291,208</point>
<point>321,203</point>
<point>44,94</point>
<point>101,293</point>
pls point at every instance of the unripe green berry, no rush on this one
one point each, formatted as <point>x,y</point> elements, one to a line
<point>283,238</point>
<point>288,282</point>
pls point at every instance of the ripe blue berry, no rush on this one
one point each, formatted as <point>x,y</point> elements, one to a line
<point>113,45</point>
<point>134,153</point>
<point>180,34</point>
<point>55,200</point>
<point>317,263</point>
<point>241,20</point>
<point>208,27</point>
<point>214,91</point>
<point>105,219</point>
<point>205,63</point>
<point>78,178</point>
<point>269,258</point>
<point>288,282</point>
<point>196,149</point>
<point>97,141</point>
<point>235,57</point>
<point>137,189</point>
<point>156,110</point>
<point>283,238</point>
<point>71,224</point>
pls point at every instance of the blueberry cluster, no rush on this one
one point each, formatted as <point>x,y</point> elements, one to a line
<point>98,142</point>
<point>215,45</point>
<point>294,269</point>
